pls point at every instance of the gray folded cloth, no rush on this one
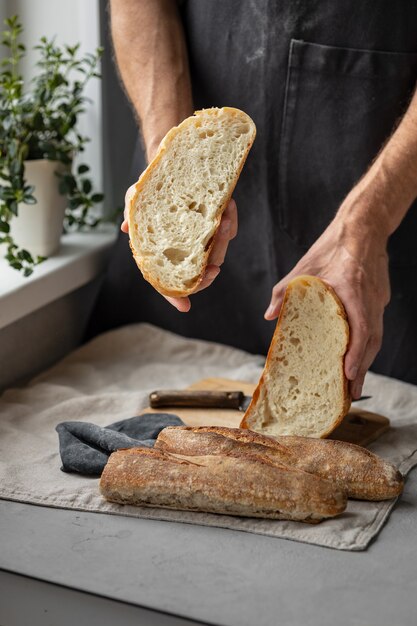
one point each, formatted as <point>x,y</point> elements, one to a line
<point>85,448</point>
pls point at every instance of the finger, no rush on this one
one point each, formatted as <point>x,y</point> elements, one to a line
<point>210,274</point>
<point>372,348</point>
<point>356,386</point>
<point>227,230</point>
<point>278,291</point>
<point>358,340</point>
<point>230,213</point>
<point>183,305</point>
<point>128,197</point>
<point>221,241</point>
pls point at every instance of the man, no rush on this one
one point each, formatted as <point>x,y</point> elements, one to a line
<point>331,176</point>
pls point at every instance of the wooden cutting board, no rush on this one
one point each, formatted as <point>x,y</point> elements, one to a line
<point>359,426</point>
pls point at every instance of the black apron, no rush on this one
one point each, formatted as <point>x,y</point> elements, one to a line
<point>325,82</point>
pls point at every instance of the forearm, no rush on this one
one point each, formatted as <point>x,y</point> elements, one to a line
<point>351,255</point>
<point>381,199</point>
<point>152,58</point>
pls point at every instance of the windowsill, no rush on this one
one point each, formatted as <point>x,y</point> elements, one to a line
<point>81,258</point>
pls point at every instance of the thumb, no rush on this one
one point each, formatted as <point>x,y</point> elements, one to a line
<point>277,297</point>
<point>128,197</point>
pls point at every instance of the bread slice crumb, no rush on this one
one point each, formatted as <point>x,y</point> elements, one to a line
<point>180,197</point>
<point>303,389</point>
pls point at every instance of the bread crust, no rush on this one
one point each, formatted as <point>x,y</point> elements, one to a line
<point>143,179</point>
<point>245,423</point>
<point>248,486</point>
<point>355,470</point>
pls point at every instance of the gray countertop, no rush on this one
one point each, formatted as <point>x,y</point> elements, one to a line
<point>217,576</point>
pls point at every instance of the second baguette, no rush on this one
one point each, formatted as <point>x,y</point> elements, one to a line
<point>244,486</point>
<point>358,472</point>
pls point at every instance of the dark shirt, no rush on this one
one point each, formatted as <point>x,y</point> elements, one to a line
<point>325,82</point>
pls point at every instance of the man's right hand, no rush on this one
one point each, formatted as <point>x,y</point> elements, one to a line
<point>226,231</point>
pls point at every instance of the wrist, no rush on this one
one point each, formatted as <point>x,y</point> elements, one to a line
<point>382,197</point>
<point>155,130</point>
<point>151,148</point>
<point>373,207</point>
<point>358,224</point>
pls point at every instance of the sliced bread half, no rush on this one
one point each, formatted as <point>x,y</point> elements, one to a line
<point>303,389</point>
<point>180,197</point>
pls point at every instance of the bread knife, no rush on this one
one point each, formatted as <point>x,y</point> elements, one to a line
<point>204,399</point>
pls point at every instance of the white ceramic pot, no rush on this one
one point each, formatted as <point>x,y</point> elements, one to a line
<point>38,227</point>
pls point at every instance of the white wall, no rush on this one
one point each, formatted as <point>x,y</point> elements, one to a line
<point>71,21</point>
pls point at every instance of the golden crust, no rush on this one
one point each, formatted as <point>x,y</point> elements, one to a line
<point>237,472</point>
<point>248,485</point>
<point>355,470</point>
<point>245,423</point>
<point>363,474</point>
<point>162,289</point>
<point>237,434</point>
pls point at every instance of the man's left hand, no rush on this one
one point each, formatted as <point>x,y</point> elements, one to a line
<point>352,259</point>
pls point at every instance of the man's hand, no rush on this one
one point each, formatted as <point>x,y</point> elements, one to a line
<point>352,260</point>
<point>351,253</point>
<point>226,232</point>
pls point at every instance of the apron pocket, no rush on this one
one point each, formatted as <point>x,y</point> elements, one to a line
<point>341,105</point>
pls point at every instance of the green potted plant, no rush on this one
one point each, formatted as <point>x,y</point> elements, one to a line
<point>40,189</point>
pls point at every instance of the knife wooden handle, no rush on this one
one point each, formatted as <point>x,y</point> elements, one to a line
<point>196,399</point>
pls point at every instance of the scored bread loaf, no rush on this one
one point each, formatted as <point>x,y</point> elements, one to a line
<point>361,473</point>
<point>303,389</point>
<point>356,471</point>
<point>179,199</point>
<point>246,486</point>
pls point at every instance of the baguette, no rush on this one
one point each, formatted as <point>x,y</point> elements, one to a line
<point>179,199</point>
<point>354,470</point>
<point>361,473</point>
<point>239,485</point>
<point>303,389</point>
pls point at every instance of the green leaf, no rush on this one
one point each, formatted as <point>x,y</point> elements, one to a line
<point>25,255</point>
<point>86,185</point>
<point>27,271</point>
<point>83,168</point>
<point>97,197</point>
<point>13,148</point>
<point>63,188</point>
<point>16,168</point>
<point>65,159</point>
<point>74,203</point>
<point>70,183</point>
<point>4,227</point>
<point>29,199</point>
<point>38,121</point>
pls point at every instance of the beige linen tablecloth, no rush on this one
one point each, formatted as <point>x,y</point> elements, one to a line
<point>110,378</point>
